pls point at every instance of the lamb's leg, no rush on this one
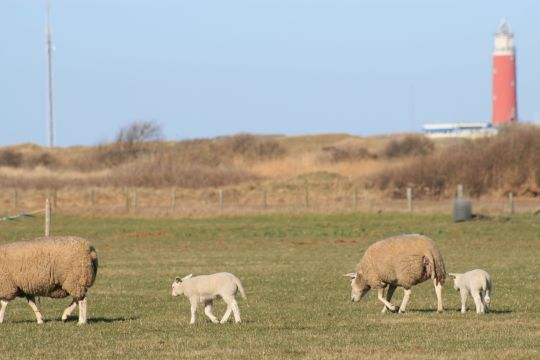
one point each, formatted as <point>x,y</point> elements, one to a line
<point>82,311</point>
<point>32,302</point>
<point>193,310</point>
<point>389,294</point>
<point>478,302</point>
<point>208,312</point>
<point>69,310</point>
<point>380,296</point>
<point>3,310</point>
<point>463,294</point>
<point>227,312</point>
<point>487,300</point>
<point>236,311</point>
<point>406,295</point>
<point>438,292</point>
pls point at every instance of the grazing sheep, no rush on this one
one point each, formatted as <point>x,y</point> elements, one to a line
<point>206,288</point>
<point>404,261</point>
<point>53,267</point>
<point>476,282</point>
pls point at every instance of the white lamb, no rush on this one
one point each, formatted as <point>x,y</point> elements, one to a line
<point>476,282</point>
<point>205,289</point>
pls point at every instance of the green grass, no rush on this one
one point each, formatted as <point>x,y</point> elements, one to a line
<point>298,301</point>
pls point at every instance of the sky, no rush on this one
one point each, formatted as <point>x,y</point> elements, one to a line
<point>207,68</point>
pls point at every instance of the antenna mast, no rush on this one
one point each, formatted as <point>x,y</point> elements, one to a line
<point>48,41</point>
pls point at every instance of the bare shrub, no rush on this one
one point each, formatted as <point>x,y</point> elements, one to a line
<point>333,154</point>
<point>411,145</point>
<point>11,158</point>
<point>255,148</point>
<point>507,162</point>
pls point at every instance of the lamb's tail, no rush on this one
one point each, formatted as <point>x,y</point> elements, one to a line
<point>438,262</point>
<point>240,287</point>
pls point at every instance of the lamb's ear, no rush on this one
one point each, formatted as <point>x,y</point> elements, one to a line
<point>350,275</point>
<point>453,275</point>
<point>187,277</point>
<point>178,280</point>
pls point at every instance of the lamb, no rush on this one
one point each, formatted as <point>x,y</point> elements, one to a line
<point>54,267</point>
<point>478,283</point>
<point>206,288</point>
<point>404,260</point>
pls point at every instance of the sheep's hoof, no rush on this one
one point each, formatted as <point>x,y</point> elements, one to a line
<point>401,311</point>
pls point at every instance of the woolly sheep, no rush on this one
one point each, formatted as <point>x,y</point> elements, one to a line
<point>476,282</point>
<point>53,267</point>
<point>404,260</point>
<point>206,288</point>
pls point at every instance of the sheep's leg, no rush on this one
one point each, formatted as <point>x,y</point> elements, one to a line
<point>478,302</point>
<point>236,311</point>
<point>69,310</point>
<point>227,312</point>
<point>32,302</point>
<point>463,294</point>
<point>406,295</point>
<point>208,312</point>
<point>380,295</point>
<point>82,311</point>
<point>389,294</point>
<point>3,310</point>
<point>487,300</point>
<point>438,292</point>
<point>193,310</point>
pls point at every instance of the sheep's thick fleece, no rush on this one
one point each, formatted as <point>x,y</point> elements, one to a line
<point>50,266</point>
<point>400,260</point>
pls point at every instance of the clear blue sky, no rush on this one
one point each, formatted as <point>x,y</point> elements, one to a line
<point>204,68</point>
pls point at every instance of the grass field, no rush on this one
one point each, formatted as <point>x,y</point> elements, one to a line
<point>298,301</point>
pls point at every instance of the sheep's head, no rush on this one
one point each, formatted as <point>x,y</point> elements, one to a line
<point>456,278</point>
<point>178,285</point>
<point>359,286</point>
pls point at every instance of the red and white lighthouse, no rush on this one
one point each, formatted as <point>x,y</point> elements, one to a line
<point>504,77</point>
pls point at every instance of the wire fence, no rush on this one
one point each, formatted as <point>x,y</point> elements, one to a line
<point>178,201</point>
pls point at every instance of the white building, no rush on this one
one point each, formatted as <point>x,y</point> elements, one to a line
<point>459,130</point>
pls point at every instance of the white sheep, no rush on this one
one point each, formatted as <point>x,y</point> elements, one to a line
<point>477,283</point>
<point>55,267</point>
<point>404,261</point>
<point>205,289</point>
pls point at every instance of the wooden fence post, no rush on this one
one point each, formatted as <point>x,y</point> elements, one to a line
<point>511,199</point>
<point>460,191</point>
<point>306,194</point>
<point>47,217</point>
<point>264,199</point>
<point>409,199</point>
<point>221,199</point>
<point>93,197</point>
<point>126,195</point>
<point>173,199</point>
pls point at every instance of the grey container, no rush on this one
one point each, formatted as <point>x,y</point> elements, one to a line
<point>462,209</point>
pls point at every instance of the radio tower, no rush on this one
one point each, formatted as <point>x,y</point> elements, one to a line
<point>48,41</point>
<point>504,77</point>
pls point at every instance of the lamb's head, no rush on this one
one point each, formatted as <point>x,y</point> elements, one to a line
<point>178,285</point>
<point>457,280</point>
<point>359,286</point>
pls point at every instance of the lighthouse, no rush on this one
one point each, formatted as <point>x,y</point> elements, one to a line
<point>504,77</point>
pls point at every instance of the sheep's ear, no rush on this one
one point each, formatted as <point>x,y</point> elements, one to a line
<point>178,279</point>
<point>351,275</point>
<point>453,275</point>
<point>187,277</point>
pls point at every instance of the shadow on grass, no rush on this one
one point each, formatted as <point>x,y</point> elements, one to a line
<point>104,319</point>
<point>495,312</point>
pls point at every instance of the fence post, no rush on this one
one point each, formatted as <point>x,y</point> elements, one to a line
<point>173,199</point>
<point>47,217</point>
<point>15,199</point>
<point>93,197</point>
<point>409,199</point>
<point>264,199</point>
<point>221,199</point>
<point>511,199</point>
<point>126,195</point>
<point>306,194</point>
<point>355,197</point>
<point>460,191</point>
